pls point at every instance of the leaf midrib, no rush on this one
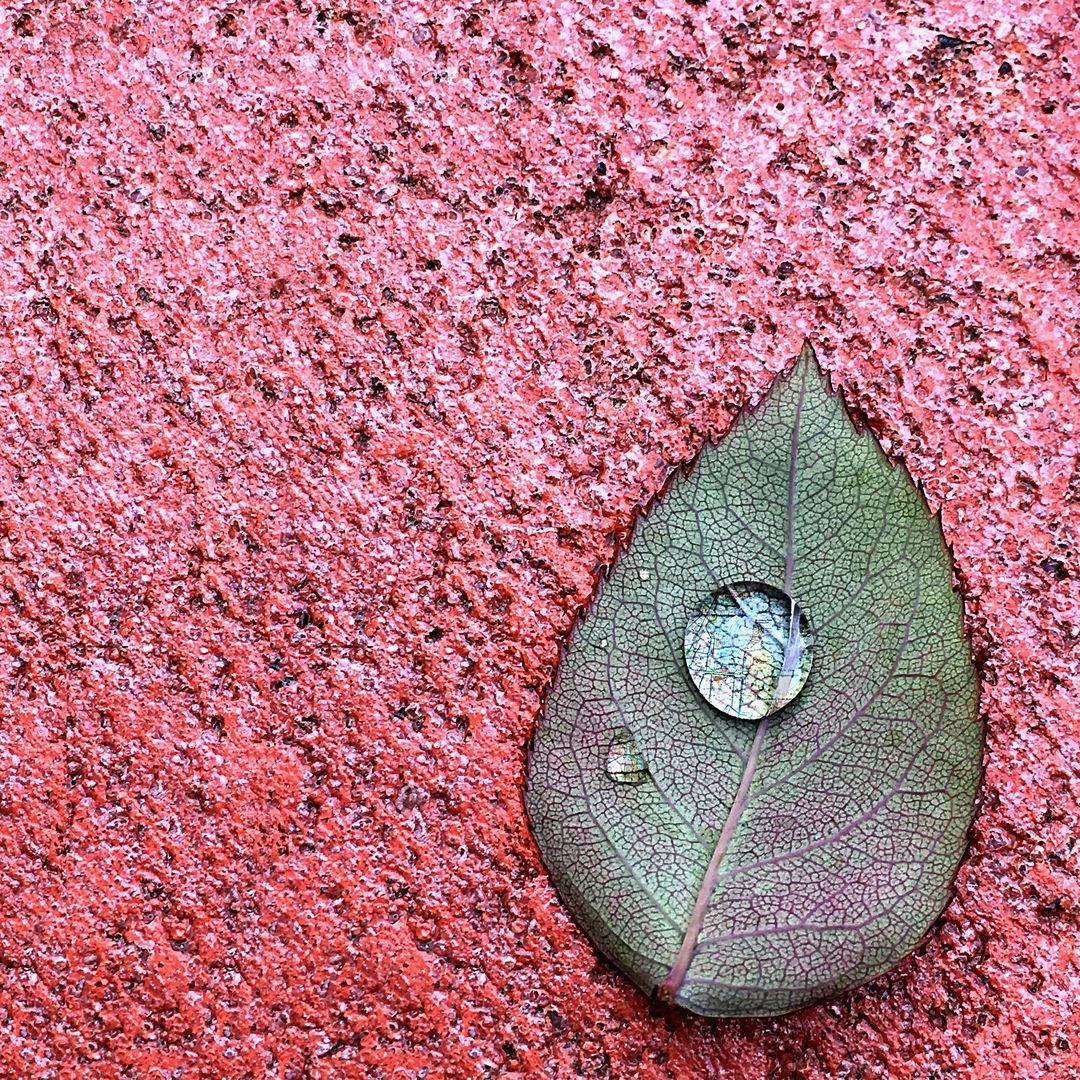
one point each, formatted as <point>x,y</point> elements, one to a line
<point>675,978</point>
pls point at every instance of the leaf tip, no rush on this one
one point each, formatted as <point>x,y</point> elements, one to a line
<point>808,358</point>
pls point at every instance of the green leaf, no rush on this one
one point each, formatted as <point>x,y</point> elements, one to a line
<point>756,769</point>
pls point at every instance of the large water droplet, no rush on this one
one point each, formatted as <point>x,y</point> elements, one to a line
<point>625,762</point>
<point>748,650</point>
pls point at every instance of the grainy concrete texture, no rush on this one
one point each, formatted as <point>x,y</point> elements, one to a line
<point>338,344</point>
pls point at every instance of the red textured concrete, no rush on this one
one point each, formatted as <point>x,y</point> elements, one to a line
<point>336,345</point>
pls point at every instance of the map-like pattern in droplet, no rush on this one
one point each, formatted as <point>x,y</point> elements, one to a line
<point>625,763</point>
<point>748,650</point>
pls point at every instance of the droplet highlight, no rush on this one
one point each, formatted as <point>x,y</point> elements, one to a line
<point>625,763</point>
<point>748,650</point>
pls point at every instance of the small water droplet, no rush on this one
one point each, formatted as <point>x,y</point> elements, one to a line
<point>748,650</point>
<point>625,762</point>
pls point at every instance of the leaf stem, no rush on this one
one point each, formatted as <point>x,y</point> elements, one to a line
<point>674,980</point>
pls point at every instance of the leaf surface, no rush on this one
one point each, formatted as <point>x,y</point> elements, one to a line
<point>753,866</point>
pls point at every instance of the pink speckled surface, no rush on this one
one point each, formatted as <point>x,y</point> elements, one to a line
<point>336,344</point>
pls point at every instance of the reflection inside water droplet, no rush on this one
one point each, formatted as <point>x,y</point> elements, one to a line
<point>625,762</point>
<point>748,650</point>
